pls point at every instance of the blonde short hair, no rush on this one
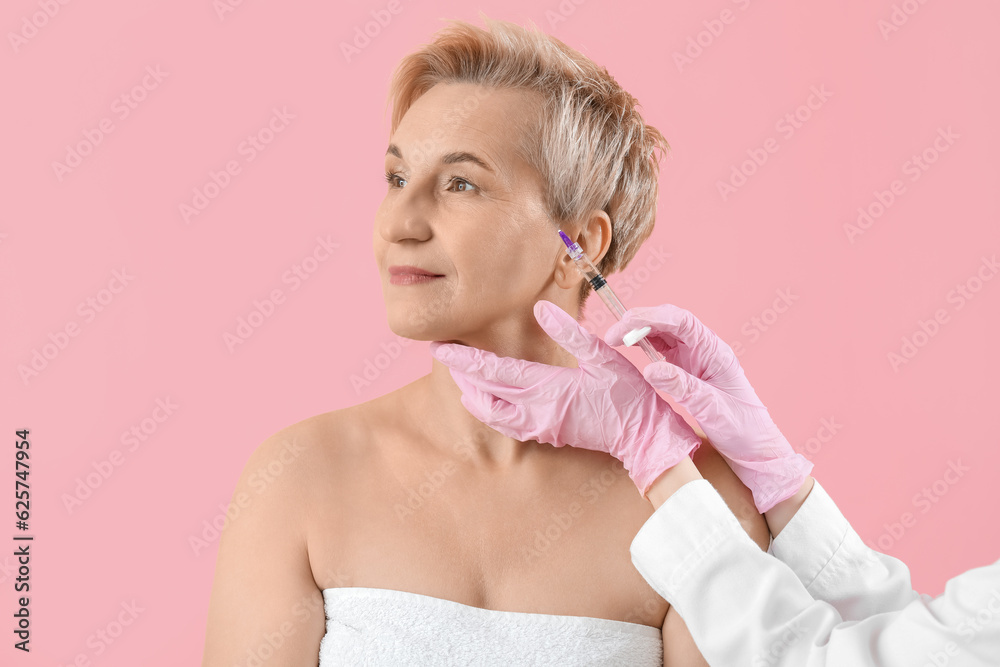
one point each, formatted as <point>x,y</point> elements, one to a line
<point>592,149</point>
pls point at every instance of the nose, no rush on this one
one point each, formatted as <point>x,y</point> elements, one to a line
<point>404,215</point>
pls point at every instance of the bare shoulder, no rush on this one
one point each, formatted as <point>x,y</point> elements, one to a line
<point>315,446</point>
<point>326,458</point>
<point>738,497</point>
<point>263,575</point>
<point>288,471</point>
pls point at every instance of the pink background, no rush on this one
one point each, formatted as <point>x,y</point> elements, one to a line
<point>826,357</point>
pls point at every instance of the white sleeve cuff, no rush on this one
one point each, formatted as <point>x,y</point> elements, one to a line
<point>691,530</point>
<point>808,542</point>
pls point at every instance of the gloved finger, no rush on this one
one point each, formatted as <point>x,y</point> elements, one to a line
<point>502,416</point>
<point>503,371</point>
<point>483,405</point>
<point>570,334</point>
<point>697,397</point>
<point>528,382</point>
<point>691,344</point>
<point>671,323</point>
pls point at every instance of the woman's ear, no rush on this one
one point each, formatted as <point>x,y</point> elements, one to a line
<point>594,239</point>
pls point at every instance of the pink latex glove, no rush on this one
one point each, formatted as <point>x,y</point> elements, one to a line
<point>604,405</point>
<point>702,373</point>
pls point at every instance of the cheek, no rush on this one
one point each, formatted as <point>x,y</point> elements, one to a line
<point>506,271</point>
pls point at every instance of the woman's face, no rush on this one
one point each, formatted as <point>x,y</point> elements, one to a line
<point>462,204</point>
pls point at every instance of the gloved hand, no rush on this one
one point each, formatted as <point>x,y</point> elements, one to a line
<point>603,405</point>
<point>702,373</point>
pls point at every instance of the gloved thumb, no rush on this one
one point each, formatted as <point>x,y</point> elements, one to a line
<point>569,333</point>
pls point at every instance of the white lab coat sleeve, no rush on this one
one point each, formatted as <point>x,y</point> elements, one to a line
<point>836,566</point>
<point>743,606</point>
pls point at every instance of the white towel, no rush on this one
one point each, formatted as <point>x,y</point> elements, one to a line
<point>376,626</point>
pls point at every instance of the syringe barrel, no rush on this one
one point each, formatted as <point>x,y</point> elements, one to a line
<point>611,300</point>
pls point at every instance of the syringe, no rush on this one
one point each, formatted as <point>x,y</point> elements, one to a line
<point>601,286</point>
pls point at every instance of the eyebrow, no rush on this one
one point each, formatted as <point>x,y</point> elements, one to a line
<point>448,158</point>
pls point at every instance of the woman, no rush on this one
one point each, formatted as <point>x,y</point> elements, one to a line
<point>431,538</point>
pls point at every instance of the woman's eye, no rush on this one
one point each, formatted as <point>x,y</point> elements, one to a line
<point>463,182</point>
<point>396,181</point>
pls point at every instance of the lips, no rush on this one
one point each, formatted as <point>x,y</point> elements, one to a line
<point>397,270</point>
<point>411,275</point>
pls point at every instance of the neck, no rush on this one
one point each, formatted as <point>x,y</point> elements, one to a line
<point>450,426</point>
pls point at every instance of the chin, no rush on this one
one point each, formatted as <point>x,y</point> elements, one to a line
<point>422,317</point>
<point>415,324</point>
